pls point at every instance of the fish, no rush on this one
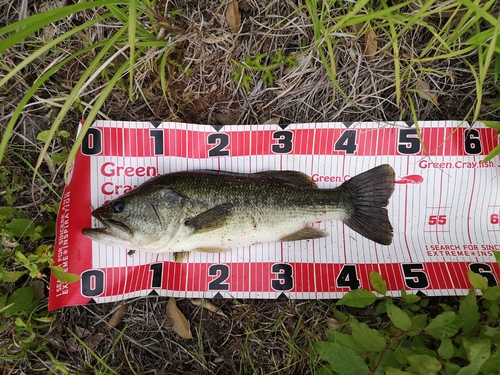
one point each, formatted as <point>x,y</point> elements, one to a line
<point>215,211</point>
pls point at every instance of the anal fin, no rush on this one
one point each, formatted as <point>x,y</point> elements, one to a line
<point>211,249</point>
<point>306,233</point>
<point>181,256</point>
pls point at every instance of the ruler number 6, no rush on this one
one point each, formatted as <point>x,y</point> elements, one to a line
<point>472,142</point>
<point>485,271</point>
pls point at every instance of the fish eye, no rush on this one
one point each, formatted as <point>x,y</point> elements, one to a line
<point>118,206</point>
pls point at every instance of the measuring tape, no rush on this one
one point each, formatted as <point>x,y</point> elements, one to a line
<point>445,210</point>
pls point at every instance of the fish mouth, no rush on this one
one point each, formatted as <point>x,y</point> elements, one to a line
<point>112,228</point>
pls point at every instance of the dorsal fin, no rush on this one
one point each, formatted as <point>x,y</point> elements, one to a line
<point>294,178</point>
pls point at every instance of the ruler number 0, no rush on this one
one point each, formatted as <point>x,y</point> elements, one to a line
<point>92,283</point>
<point>414,275</point>
<point>485,271</point>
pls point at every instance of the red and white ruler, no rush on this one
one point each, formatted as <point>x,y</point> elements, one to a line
<point>445,210</point>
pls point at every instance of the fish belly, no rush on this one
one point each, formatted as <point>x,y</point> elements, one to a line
<point>248,230</point>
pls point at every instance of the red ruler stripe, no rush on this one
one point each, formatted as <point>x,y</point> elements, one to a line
<point>193,144</point>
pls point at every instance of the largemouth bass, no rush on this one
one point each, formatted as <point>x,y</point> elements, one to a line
<point>215,211</point>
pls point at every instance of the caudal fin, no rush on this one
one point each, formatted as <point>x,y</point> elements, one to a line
<point>370,192</point>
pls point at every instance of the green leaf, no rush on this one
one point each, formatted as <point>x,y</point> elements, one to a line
<point>10,276</point>
<point>487,330</point>
<point>64,276</point>
<point>358,298</point>
<point>48,229</point>
<point>57,158</point>
<point>496,254</point>
<point>378,283</point>
<point>369,339</point>
<point>6,213</point>
<point>492,293</point>
<point>3,300</point>
<point>478,351</point>
<point>424,364</point>
<point>493,125</point>
<point>445,350</point>
<point>469,312</point>
<point>21,228</point>
<point>445,324</point>
<point>395,371</point>
<point>344,361</point>
<point>491,364</point>
<point>477,281</point>
<point>21,299</point>
<point>42,136</point>
<point>398,317</point>
<point>410,298</point>
<point>344,340</point>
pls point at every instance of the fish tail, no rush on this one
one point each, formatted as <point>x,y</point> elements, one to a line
<point>369,194</point>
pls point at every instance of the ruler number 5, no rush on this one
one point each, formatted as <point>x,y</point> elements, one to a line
<point>414,275</point>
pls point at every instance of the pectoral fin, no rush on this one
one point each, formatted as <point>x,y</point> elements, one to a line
<point>294,178</point>
<point>211,219</point>
<point>306,233</point>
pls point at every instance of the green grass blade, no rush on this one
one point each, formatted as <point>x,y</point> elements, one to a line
<point>44,49</point>
<point>132,21</point>
<point>30,25</point>
<point>78,87</point>
<point>95,109</point>
<point>29,94</point>
<point>492,154</point>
